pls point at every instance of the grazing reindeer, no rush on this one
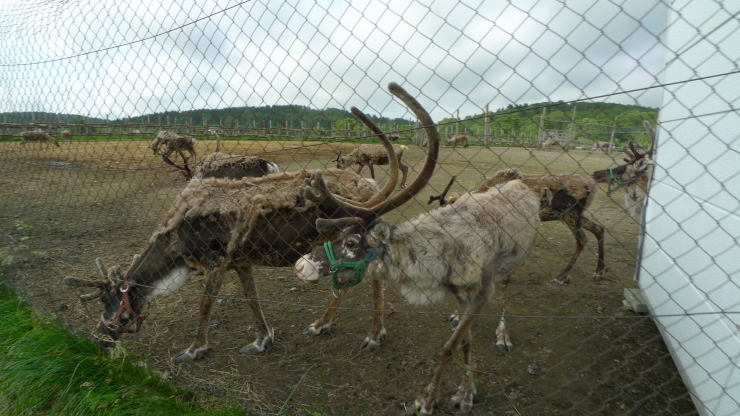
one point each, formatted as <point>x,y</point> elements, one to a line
<point>465,250</point>
<point>633,177</point>
<point>217,225</point>
<point>66,135</point>
<point>38,136</point>
<point>563,198</point>
<point>458,139</point>
<point>372,154</point>
<point>174,142</point>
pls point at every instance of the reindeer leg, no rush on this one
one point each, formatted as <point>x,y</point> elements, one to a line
<point>265,336</point>
<point>405,170</point>
<point>598,232</point>
<point>503,341</point>
<point>574,223</point>
<point>198,348</point>
<point>463,399</point>
<point>378,333</point>
<point>372,171</point>
<point>323,324</point>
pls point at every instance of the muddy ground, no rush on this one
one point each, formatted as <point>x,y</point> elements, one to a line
<point>576,351</point>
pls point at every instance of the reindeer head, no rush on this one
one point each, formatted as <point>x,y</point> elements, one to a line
<point>363,234</point>
<point>637,165</point>
<point>120,306</point>
<point>342,162</point>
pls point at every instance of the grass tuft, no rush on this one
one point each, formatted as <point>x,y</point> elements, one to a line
<point>46,370</point>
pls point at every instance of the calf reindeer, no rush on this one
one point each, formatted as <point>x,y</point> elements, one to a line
<point>633,177</point>
<point>465,250</point>
<point>372,154</point>
<point>217,225</point>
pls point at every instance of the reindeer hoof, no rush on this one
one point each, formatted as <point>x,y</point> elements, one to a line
<point>597,277</point>
<point>189,355</point>
<point>454,320</point>
<point>505,348</point>
<point>371,344</point>
<point>421,407</point>
<point>261,345</point>
<point>560,282</point>
<point>315,330</point>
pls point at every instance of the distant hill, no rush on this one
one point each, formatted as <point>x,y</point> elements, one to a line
<point>593,120</point>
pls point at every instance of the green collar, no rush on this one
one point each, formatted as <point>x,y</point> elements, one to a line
<point>614,180</point>
<point>335,266</point>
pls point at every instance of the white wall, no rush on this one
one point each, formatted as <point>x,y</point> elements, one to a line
<point>690,267</point>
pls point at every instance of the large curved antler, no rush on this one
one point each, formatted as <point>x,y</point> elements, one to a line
<point>382,203</point>
<point>101,285</point>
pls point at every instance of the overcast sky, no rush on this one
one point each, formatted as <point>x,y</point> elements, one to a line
<point>117,59</point>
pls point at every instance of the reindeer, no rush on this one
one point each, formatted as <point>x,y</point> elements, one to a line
<point>66,135</point>
<point>600,146</point>
<point>563,197</point>
<point>173,142</point>
<point>220,165</point>
<point>633,177</point>
<point>372,154</point>
<point>38,136</point>
<point>465,249</point>
<point>217,225</point>
<point>458,139</point>
<point>552,142</point>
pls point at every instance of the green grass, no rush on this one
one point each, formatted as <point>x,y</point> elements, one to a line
<point>46,370</point>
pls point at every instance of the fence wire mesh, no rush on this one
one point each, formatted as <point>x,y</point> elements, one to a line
<point>89,90</point>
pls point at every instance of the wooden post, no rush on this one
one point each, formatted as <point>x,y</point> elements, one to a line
<point>541,134</point>
<point>486,129</point>
<point>611,139</point>
<point>572,132</point>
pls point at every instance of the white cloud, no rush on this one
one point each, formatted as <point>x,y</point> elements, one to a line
<point>458,55</point>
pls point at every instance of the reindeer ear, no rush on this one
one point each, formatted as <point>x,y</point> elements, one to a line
<point>381,232</point>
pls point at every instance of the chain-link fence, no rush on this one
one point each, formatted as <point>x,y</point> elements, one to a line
<point>559,90</point>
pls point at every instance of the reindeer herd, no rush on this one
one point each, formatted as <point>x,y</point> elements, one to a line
<point>238,212</point>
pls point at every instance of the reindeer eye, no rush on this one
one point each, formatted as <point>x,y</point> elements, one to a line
<point>351,244</point>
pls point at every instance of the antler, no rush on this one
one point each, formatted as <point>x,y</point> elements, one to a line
<point>635,155</point>
<point>441,197</point>
<point>381,203</point>
<point>101,285</point>
<point>651,136</point>
<point>185,168</point>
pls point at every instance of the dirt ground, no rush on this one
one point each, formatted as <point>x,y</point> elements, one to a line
<point>576,351</point>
